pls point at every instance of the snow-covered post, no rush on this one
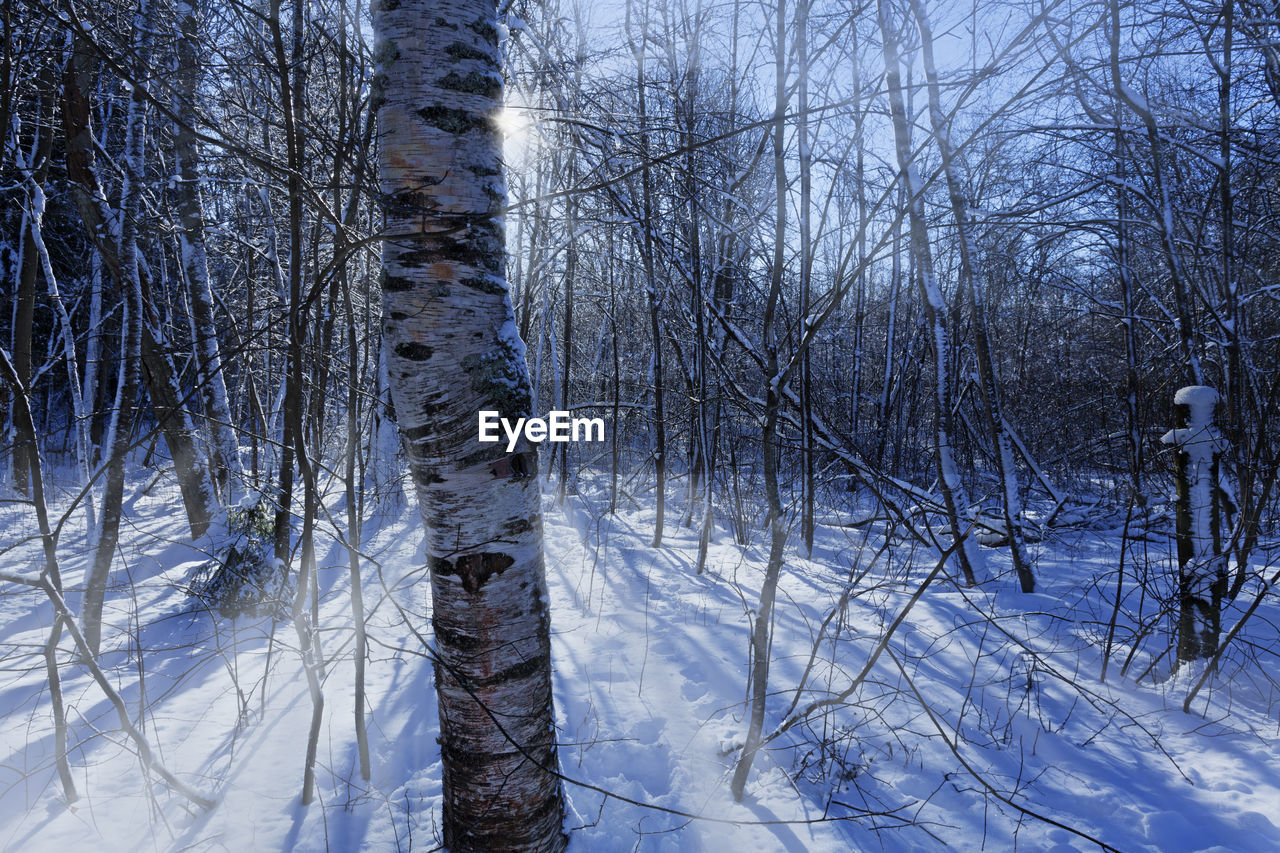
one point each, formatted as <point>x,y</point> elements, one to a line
<point>1202,574</point>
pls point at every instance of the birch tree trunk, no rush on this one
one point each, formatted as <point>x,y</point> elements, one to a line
<point>806,277</point>
<point>120,260</point>
<point>130,355</point>
<point>1202,565</point>
<point>453,349</point>
<point>934,305</point>
<point>976,283</point>
<point>224,453</point>
<point>762,624</point>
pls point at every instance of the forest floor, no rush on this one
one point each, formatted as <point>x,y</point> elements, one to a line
<point>980,689</point>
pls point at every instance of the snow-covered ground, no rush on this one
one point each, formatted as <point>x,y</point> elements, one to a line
<point>982,696</point>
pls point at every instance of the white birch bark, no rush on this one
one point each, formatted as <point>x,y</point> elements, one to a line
<point>78,409</point>
<point>453,349</point>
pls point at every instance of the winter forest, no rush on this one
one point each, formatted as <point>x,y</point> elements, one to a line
<point>927,360</point>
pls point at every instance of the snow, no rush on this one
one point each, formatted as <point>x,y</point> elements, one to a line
<point>1132,95</point>
<point>509,336</point>
<point>1201,399</point>
<point>650,668</point>
<point>1201,442</point>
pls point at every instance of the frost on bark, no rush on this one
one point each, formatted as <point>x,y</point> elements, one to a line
<point>452,349</point>
<point>1202,567</point>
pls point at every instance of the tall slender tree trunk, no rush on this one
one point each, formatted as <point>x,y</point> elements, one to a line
<point>25,426</point>
<point>704,495</point>
<point>128,275</point>
<point>288,83</point>
<point>615,451</point>
<point>130,352</point>
<point>1232,325</point>
<point>1128,296</point>
<point>24,306</point>
<point>570,274</point>
<point>92,355</point>
<point>81,414</point>
<point>167,402</point>
<point>224,454</point>
<point>353,491</point>
<point>257,416</point>
<point>290,75</point>
<point>653,296</point>
<point>934,305</point>
<point>890,335</point>
<point>653,293</point>
<point>860,292</point>
<point>24,309</point>
<point>762,624</point>
<point>453,350</point>
<point>353,482</point>
<point>975,282</point>
<point>1165,224</point>
<point>805,163</point>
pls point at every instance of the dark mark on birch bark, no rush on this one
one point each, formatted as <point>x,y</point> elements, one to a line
<point>473,569</point>
<point>413,351</point>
